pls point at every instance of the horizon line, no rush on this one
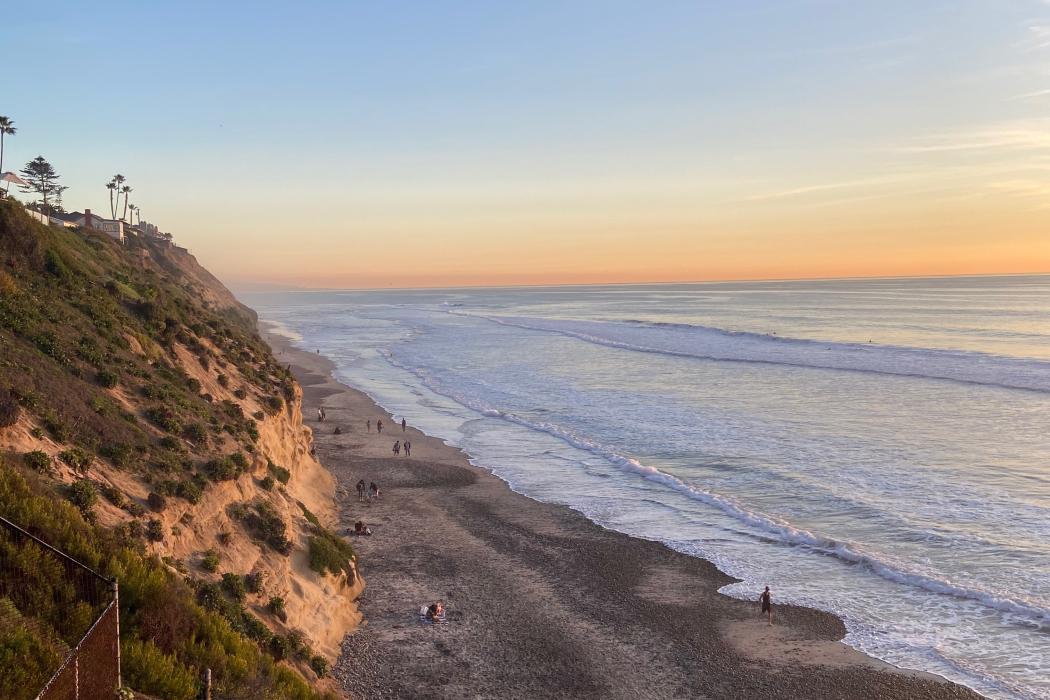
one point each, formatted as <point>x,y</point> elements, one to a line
<point>293,288</point>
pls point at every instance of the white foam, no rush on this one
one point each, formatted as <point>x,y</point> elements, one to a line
<point>780,529</point>
<point>702,342</point>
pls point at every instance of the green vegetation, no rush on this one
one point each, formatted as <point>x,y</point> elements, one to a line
<point>76,457</point>
<point>83,495</point>
<point>28,654</point>
<point>263,523</point>
<point>279,473</point>
<point>253,582</point>
<point>210,561</point>
<point>9,408</point>
<point>308,515</point>
<point>330,553</point>
<point>167,636</point>
<point>80,315</point>
<point>233,586</point>
<point>40,461</point>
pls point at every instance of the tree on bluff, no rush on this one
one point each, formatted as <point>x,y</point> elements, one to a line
<point>42,179</point>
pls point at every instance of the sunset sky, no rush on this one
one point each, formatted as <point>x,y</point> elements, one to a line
<point>363,144</point>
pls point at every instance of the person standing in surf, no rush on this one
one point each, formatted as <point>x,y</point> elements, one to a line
<point>767,604</point>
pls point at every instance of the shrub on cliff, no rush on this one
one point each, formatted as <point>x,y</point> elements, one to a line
<point>319,665</point>
<point>330,554</point>
<point>196,432</point>
<point>210,561</point>
<point>9,409</point>
<point>253,582</point>
<point>83,495</point>
<point>154,530</point>
<point>279,473</point>
<point>121,455</point>
<point>37,460</point>
<point>221,469</point>
<point>156,502</point>
<point>275,404</point>
<point>76,457</point>
<point>27,658</point>
<point>165,418</point>
<point>263,523</point>
<point>113,495</point>
<point>190,490</point>
<point>106,379</point>
<point>233,586</point>
<point>145,667</point>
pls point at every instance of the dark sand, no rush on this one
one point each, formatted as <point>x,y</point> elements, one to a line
<point>541,602</point>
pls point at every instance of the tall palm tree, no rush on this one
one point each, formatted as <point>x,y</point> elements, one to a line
<point>7,126</point>
<point>126,190</point>
<point>118,180</point>
<point>112,187</point>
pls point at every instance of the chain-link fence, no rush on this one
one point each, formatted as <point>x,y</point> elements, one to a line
<point>63,597</point>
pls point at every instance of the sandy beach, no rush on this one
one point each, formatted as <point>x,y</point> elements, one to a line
<point>541,601</point>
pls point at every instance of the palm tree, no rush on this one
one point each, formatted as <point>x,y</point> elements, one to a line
<point>126,190</point>
<point>118,180</point>
<point>7,126</point>
<point>112,187</point>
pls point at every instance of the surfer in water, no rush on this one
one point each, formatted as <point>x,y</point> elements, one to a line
<point>767,604</point>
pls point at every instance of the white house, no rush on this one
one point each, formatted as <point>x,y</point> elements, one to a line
<point>114,228</point>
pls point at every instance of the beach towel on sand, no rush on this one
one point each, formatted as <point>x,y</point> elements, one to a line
<point>439,620</point>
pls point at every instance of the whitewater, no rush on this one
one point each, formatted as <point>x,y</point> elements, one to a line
<point>875,448</point>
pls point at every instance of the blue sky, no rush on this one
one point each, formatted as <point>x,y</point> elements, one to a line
<point>273,134</point>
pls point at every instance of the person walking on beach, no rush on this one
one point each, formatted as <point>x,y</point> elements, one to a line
<point>368,425</point>
<point>361,490</point>
<point>379,426</point>
<point>373,492</point>
<point>408,448</point>
<point>403,424</point>
<point>320,415</point>
<point>767,604</point>
<point>397,447</point>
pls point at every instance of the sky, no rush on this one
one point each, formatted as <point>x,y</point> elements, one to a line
<point>420,144</point>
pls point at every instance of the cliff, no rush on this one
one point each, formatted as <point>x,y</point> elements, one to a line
<point>133,386</point>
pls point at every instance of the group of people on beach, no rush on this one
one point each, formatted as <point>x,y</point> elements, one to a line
<point>321,415</point>
<point>406,445</point>
<point>369,494</point>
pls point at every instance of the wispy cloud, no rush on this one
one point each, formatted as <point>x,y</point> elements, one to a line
<point>1019,135</point>
<point>1032,95</point>
<point>1038,36</point>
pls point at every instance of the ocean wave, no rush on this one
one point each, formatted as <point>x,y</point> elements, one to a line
<point>707,343</point>
<point>777,528</point>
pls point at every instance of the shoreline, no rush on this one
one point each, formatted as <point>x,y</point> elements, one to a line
<point>541,600</point>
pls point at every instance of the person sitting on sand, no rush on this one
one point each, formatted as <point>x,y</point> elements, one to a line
<point>408,448</point>
<point>373,492</point>
<point>436,612</point>
<point>767,604</point>
<point>361,490</point>
<point>397,447</point>
<point>361,530</point>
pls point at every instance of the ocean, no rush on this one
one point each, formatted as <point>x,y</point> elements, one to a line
<point>876,448</point>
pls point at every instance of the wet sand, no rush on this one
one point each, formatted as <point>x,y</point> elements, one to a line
<point>543,603</point>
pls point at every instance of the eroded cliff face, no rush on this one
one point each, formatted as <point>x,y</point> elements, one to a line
<point>280,474</point>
